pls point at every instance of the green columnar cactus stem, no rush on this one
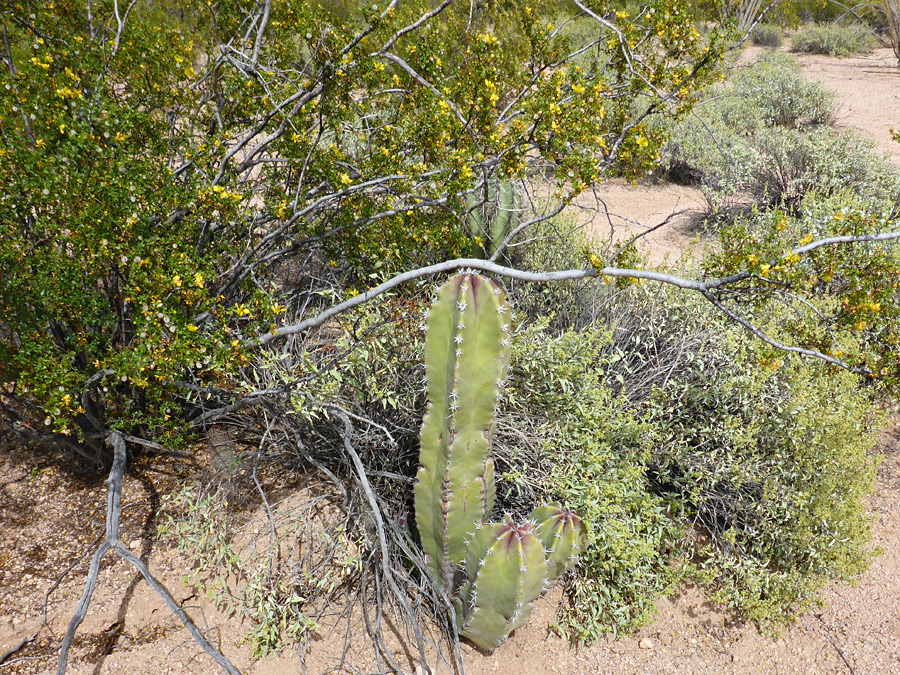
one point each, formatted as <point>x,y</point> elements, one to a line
<point>561,533</point>
<point>491,210</point>
<point>507,571</point>
<point>466,355</point>
<point>467,351</point>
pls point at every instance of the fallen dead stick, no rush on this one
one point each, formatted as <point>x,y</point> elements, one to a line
<point>14,649</point>
<point>116,480</point>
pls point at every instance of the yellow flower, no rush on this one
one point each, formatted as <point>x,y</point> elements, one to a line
<point>177,281</point>
<point>198,280</point>
<point>192,328</point>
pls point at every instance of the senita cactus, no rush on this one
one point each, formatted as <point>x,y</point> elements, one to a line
<point>466,351</point>
<point>493,571</point>
<point>561,533</point>
<point>491,210</point>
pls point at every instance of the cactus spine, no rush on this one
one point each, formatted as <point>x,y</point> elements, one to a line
<point>494,571</point>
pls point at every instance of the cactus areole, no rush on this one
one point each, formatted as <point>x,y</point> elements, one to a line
<point>493,571</point>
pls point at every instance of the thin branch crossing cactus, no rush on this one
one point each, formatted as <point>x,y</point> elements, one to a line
<point>494,571</point>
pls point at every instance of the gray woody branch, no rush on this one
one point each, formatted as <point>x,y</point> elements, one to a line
<point>116,481</point>
<point>705,288</point>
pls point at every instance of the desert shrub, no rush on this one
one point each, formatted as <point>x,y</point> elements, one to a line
<point>760,141</point>
<point>556,243</point>
<point>596,465</point>
<point>684,425</point>
<point>774,91</point>
<point>852,289</point>
<point>711,146</point>
<point>766,35</point>
<point>771,462</point>
<point>749,451</point>
<point>792,164</point>
<point>834,39</point>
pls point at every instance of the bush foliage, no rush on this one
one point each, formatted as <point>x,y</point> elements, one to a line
<point>834,39</point>
<point>766,35</point>
<point>763,141</point>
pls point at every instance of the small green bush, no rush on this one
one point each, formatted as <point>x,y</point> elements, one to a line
<point>770,458</point>
<point>774,91</point>
<point>793,163</point>
<point>766,35</point>
<point>833,39</point>
<point>596,464</point>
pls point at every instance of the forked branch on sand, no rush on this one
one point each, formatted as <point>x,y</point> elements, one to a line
<point>113,511</point>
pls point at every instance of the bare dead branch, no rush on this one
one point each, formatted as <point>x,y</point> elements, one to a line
<point>111,541</point>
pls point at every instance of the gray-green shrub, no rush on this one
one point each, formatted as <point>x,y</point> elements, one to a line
<point>761,140</point>
<point>834,39</point>
<point>766,35</point>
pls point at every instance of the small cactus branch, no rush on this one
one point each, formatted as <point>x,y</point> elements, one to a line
<point>562,535</point>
